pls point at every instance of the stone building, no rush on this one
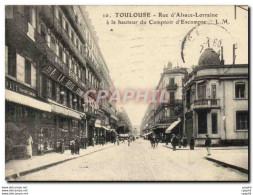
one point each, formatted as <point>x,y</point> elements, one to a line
<point>216,101</point>
<point>52,58</point>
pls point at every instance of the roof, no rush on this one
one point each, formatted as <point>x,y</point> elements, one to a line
<point>209,57</point>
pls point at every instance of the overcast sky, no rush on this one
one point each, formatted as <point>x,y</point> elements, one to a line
<point>136,54</point>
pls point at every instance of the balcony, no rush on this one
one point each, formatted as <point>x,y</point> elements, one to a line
<point>47,13</point>
<point>206,104</point>
<point>71,15</point>
<point>56,61</point>
<point>171,87</point>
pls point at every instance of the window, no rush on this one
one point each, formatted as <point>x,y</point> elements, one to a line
<point>60,52</point>
<point>213,92</point>
<point>43,32</point>
<point>53,90</point>
<point>77,43</point>
<point>53,44</point>
<point>60,18</point>
<point>201,92</point>
<point>202,122</point>
<point>172,81</point>
<point>67,27</point>
<point>67,59</point>
<point>242,120</point>
<point>30,14</point>
<point>44,86</point>
<point>76,18</point>
<point>240,90</point>
<point>68,99</point>
<point>188,99</point>
<point>27,72</point>
<point>12,68</point>
<point>172,97</point>
<point>214,123</point>
<point>72,36</point>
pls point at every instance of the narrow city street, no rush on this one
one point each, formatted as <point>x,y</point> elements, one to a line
<point>139,162</point>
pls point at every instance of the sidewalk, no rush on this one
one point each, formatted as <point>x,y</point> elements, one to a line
<point>16,168</point>
<point>235,157</point>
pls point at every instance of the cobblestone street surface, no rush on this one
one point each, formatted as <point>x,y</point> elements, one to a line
<point>139,162</point>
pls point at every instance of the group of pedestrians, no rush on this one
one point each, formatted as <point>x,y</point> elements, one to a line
<point>177,141</point>
<point>75,145</point>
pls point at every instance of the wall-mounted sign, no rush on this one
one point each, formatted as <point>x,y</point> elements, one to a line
<point>15,86</point>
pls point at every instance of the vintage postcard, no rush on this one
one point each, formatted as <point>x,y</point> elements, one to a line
<point>126,93</point>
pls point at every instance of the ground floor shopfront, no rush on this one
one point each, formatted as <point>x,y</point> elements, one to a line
<point>221,128</point>
<point>45,125</point>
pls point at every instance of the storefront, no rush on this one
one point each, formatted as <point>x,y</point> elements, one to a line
<point>23,119</point>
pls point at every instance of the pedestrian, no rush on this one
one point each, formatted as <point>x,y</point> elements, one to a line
<point>174,142</point>
<point>62,146</point>
<point>72,147</point>
<point>192,143</point>
<point>77,145</point>
<point>208,144</point>
<point>93,141</point>
<point>184,141</point>
<point>8,148</point>
<point>156,142</point>
<point>167,140</point>
<point>118,141</point>
<point>29,143</point>
<point>85,142</point>
<point>129,140</point>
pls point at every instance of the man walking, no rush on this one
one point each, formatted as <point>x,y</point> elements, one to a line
<point>174,142</point>
<point>192,143</point>
<point>208,144</point>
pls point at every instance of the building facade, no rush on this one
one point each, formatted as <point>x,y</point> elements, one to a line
<point>159,117</point>
<point>124,125</point>
<point>52,58</point>
<point>216,101</point>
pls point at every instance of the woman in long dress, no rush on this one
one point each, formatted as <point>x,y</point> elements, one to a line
<point>29,147</point>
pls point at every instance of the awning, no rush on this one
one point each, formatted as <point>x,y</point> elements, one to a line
<point>26,100</point>
<point>114,117</point>
<point>98,125</point>
<point>60,109</point>
<point>148,133</point>
<point>123,135</point>
<point>107,129</point>
<point>172,126</point>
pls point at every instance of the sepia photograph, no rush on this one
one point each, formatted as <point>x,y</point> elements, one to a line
<point>127,93</point>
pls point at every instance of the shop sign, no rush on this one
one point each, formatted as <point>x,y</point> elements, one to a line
<point>80,92</point>
<point>17,87</point>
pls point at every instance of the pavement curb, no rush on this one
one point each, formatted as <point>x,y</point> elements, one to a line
<point>22,173</point>
<point>224,164</point>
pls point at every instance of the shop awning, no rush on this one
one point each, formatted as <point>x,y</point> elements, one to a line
<point>107,129</point>
<point>123,135</point>
<point>26,100</point>
<point>60,109</point>
<point>172,126</point>
<point>98,125</point>
<point>114,117</point>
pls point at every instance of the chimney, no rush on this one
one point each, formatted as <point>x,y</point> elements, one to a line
<point>234,56</point>
<point>222,59</point>
<point>169,66</point>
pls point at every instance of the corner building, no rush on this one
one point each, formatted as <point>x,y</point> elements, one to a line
<point>216,101</point>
